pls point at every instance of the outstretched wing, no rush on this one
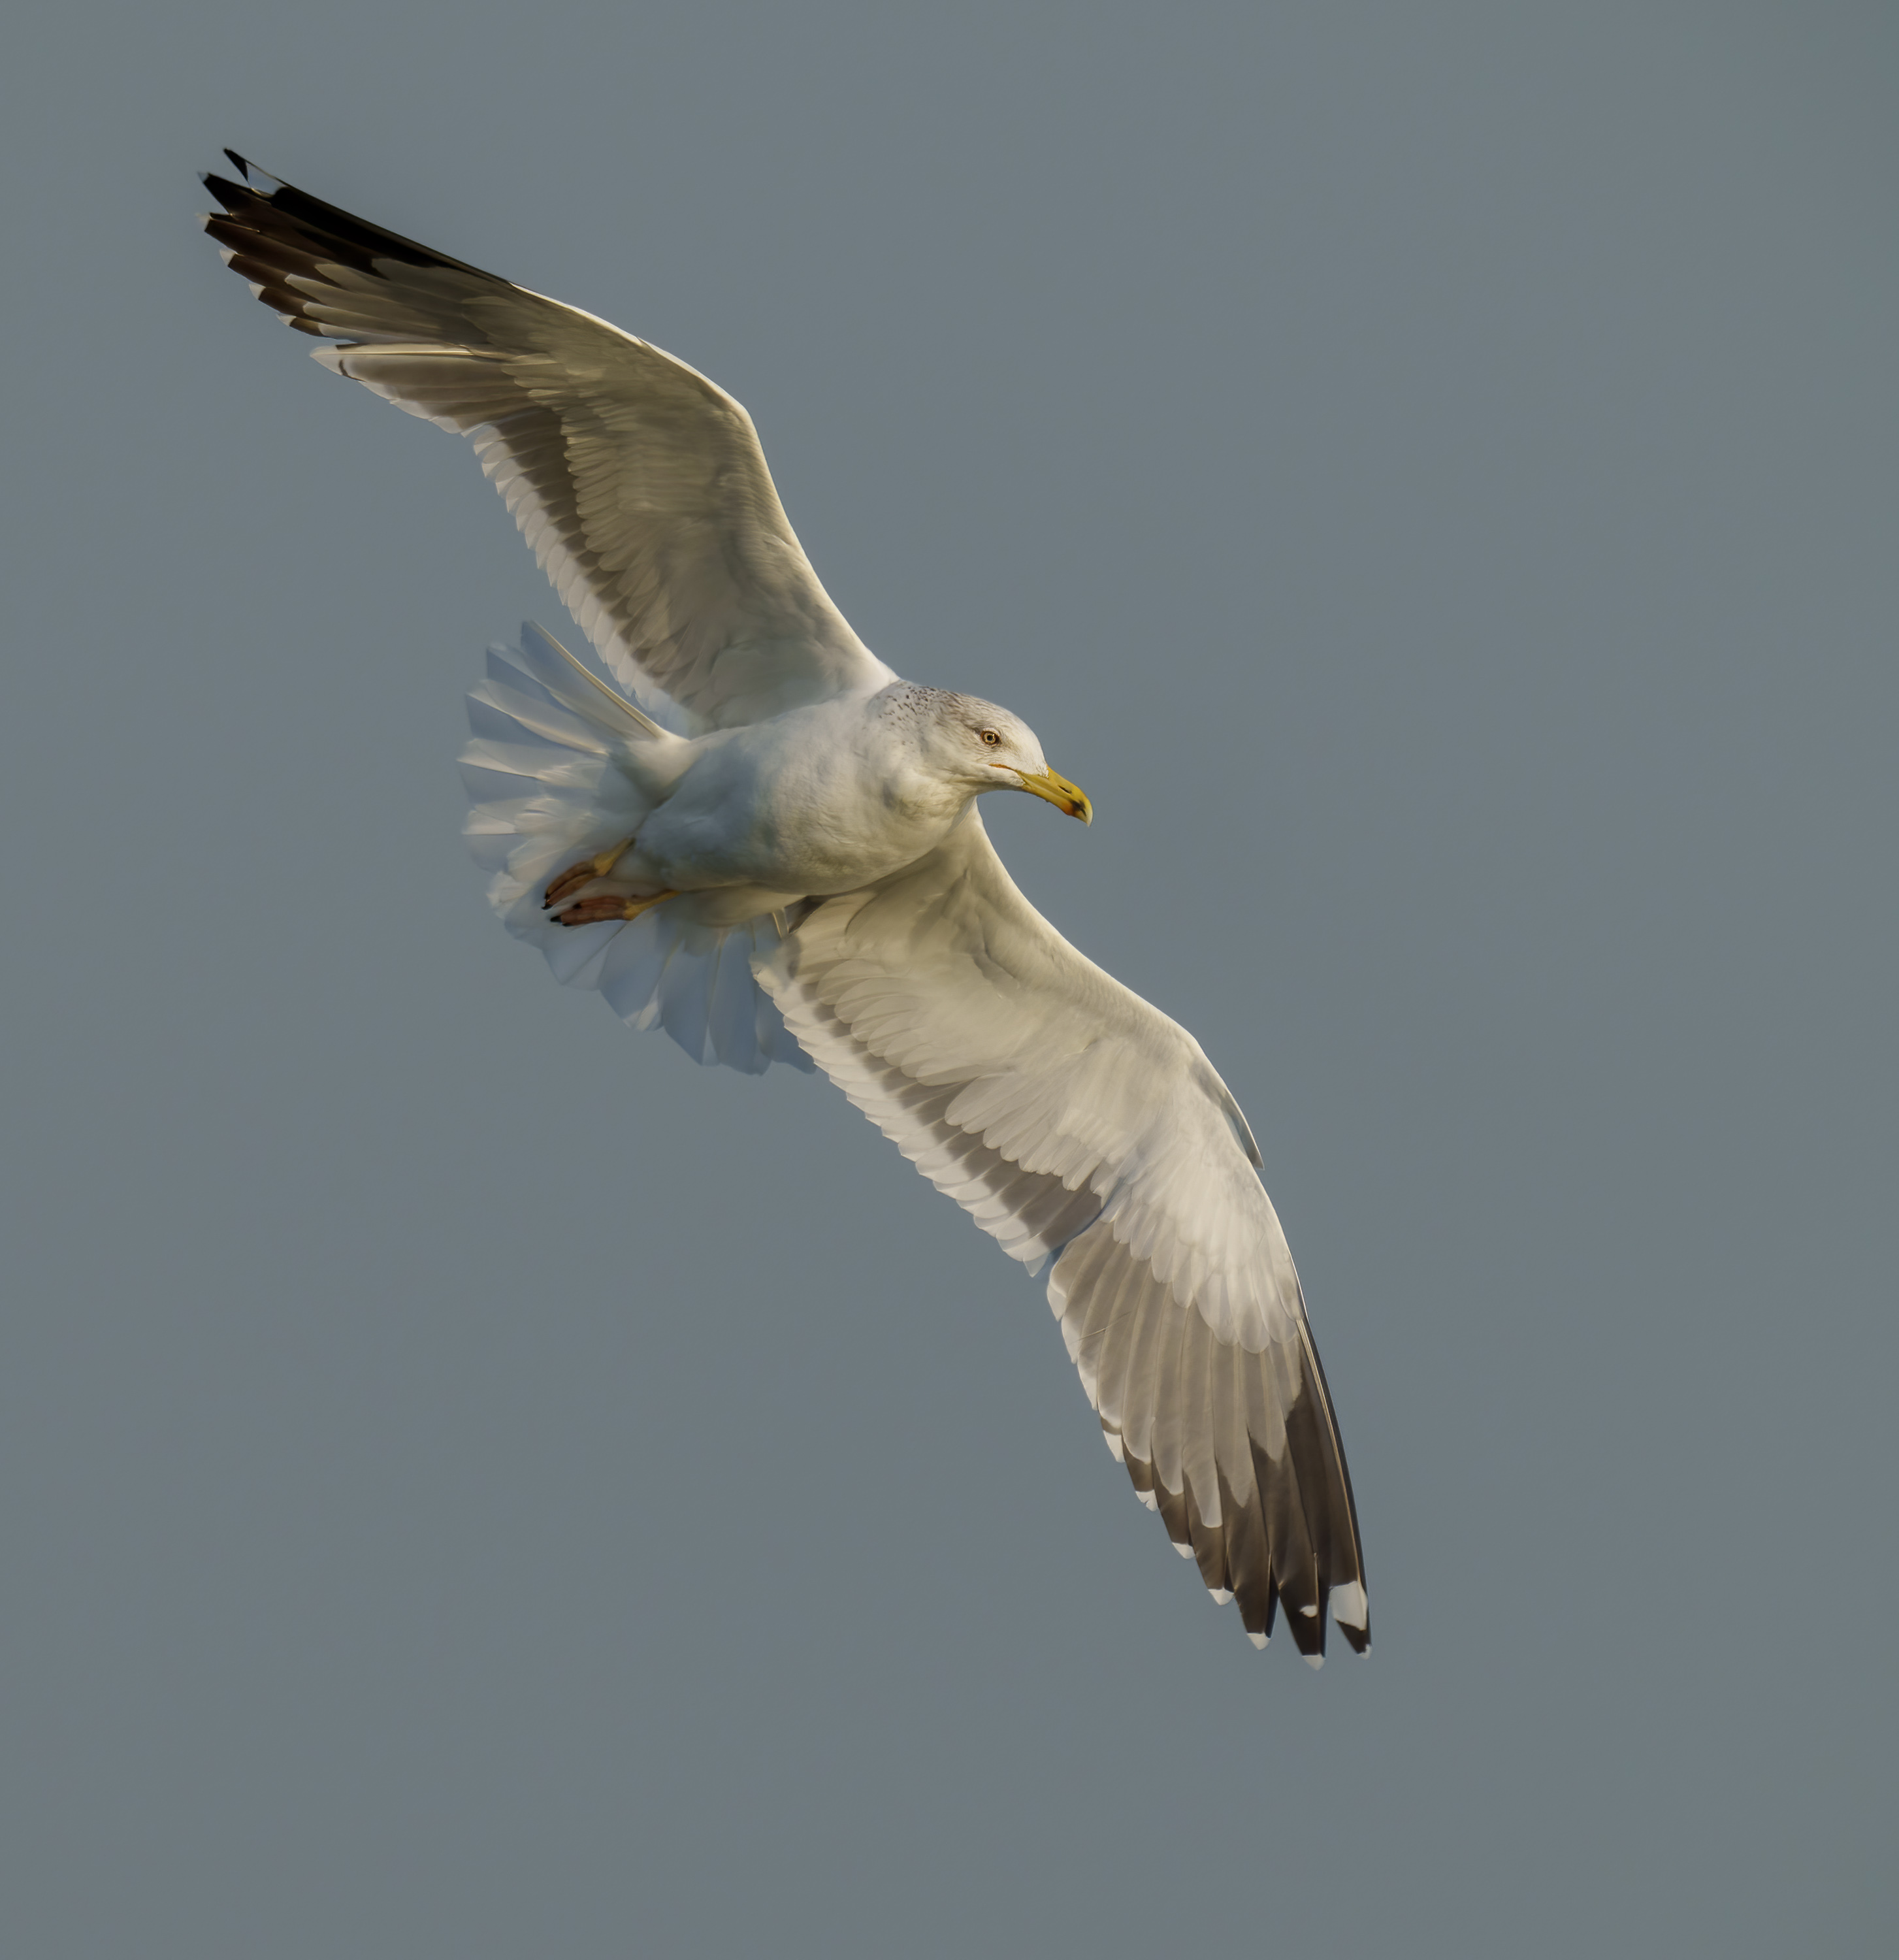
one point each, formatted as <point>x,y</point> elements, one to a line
<point>639,483</point>
<point>1072,1119</point>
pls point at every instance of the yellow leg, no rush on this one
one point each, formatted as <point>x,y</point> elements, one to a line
<point>590,911</point>
<point>585,872</point>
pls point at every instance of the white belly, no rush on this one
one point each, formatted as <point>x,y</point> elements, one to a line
<point>794,807</point>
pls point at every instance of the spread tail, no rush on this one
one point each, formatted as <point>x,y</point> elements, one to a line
<point>556,771</point>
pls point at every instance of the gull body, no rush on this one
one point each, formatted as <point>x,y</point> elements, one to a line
<point>758,837</point>
<point>823,799</point>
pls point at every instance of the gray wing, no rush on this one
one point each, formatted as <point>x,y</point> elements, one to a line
<point>639,483</point>
<point>1074,1121</point>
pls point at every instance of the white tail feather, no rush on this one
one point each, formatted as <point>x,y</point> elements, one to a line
<point>550,771</point>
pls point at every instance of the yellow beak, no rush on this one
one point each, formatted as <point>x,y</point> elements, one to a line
<point>1060,792</point>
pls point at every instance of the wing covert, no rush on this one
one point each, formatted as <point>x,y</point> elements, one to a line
<point>639,483</point>
<point>1075,1122</point>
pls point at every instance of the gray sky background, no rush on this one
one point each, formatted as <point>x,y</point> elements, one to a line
<point>472,1484</point>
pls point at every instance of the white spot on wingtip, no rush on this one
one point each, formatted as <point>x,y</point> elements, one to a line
<point>1349,1604</point>
<point>1311,1612</point>
<point>1258,1639</point>
<point>1185,1551</point>
<point>1314,1662</point>
<point>1219,1594</point>
<point>1148,1498</point>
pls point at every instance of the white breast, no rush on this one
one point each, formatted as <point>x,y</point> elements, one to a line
<point>822,799</point>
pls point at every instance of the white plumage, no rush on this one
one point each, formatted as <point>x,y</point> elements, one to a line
<point>770,846</point>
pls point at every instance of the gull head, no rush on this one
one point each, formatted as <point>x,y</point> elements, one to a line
<point>976,744</point>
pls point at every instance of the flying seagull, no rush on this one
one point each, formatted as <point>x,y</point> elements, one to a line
<point>766,842</point>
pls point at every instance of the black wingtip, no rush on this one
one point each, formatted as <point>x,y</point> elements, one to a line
<point>266,206</point>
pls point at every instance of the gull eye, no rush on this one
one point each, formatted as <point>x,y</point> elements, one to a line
<point>991,738</point>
